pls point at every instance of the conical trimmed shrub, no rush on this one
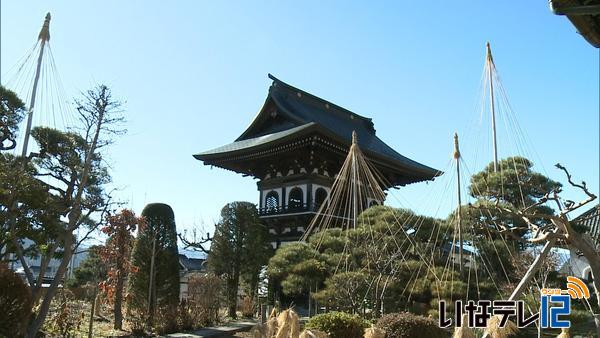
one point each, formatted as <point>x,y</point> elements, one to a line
<point>158,234</point>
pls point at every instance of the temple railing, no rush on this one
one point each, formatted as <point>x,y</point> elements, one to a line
<point>288,209</point>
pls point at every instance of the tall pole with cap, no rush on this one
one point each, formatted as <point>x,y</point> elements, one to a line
<point>354,184</point>
<point>459,216</point>
<point>490,66</point>
<point>43,38</point>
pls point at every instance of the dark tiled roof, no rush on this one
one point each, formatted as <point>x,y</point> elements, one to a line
<point>254,142</point>
<point>309,108</point>
<point>583,14</point>
<point>591,220</point>
<point>302,111</point>
<point>191,264</point>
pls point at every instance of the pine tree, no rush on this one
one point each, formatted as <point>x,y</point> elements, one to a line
<point>12,111</point>
<point>514,186</point>
<point>91,270</point>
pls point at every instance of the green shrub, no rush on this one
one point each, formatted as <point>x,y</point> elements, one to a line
<point>408,325</point>
<point>338,324</point>
<point>15,302</point>
<point>580,316</point>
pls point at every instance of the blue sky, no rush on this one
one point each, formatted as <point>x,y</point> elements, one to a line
<point>194,74</point>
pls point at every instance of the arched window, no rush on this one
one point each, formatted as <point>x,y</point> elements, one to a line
<point>272,201</point>
<point>320,197</point>
<point>296,199</point>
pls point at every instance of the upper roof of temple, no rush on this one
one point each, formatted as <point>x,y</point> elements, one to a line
<point>290,112</point>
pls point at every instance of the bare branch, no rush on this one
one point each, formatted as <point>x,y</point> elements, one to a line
<point>547,236</point>
<point>583,186</point>
<point>195,243</point>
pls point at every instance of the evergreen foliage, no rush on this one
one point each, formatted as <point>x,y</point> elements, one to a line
<point>157,231</point>
<point>297,266</point>
<point>240,248</point>
<point>514,186</point>
<point>378,265</point>
<point>346,291</point>
<point>515,182</point>
<point>338,324</point>
<point>37,217</point>
<point>363,268</point>
<point>12,111</point>
<point>408,325</point>
<point>92,269</point>
<point>16,303</point>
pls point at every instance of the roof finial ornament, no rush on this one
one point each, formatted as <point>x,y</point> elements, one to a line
<point>45,31</point>
<point>354,137</point>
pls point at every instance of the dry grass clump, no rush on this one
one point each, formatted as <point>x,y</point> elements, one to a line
<point>313,334</point>
<point>495,331</point>
<point>288,324</point>
<point>464,331</point>
<point>374,332</point>
<point>284,325</point>
<point>564,333</point>
<point>258,331</point>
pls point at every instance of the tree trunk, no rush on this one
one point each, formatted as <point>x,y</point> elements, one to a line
<point>382,296</point>
<point>377,305</point>
<point>93,310</point>
<point>97,307</point>
<point>118,325</point>
<point>309,301</point>
<point>152,284</point>
<point>535,266</point>
<point>254,293</point>
<point>38,320</point>
<point>45,261</point>
<point>316,303</point>
<point>232,295</point>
